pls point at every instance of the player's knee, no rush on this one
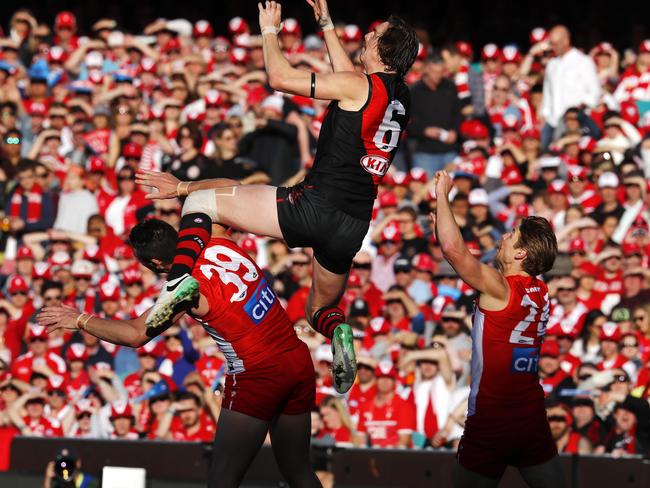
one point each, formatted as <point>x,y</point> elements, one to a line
<point>201,201</point>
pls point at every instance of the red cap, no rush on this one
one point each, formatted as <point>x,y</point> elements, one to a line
<point>644,47</point>
<point>474,129</point>
<point>490,51</point>
<point>148,65</point>
<point>84,405</point>
<point>474,248</point>
<point>378,326</point>
<point>577,245</point>
<point>132,150</point>
<point>465,49</point>
<point>400,178</point>
<point>131,275</point>
<point>387,199</point>
<point>213,98</point>
<point>630,112</point>
<point>248,244</point>
<point>121,409</point>
<point>65,19</point>
<point>152,348</point>
<point>24,252</point>
<point>92,253</point>
<point>123,251</point>
<point>386,369</point>
<point>352,33</point>
<point>354,279</point>
<point>291,26</point>
<point>96,164</point>
<point>557,186</point>
<point>577,173</point>
<point>510,54</point>
<point>77,352</point>
<point>36,332</point>
<point>423,262</point>
<point>512,176</point>
<point>41,270</point>
<point>589,268</point>
<point>531,132</point>
<point>422,52</point>
<point>510,122</point>
<point>602,47</point>
<point>587,144</point>
<point>550,348</point>
<point>172,45</point>
<point>109,291</point>
<point>60,259</point>
<point>609,331</point>
<point>419,175</point>
<point>17,283</point>
<point>57,54</point>
<point>202,28</point>
<point>390,233</point>
<point>237,25</point>
<point>631,249</point>
<point>239,55</point>
<point>538,34</point>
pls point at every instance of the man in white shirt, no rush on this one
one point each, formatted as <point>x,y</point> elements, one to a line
<point>571,80</point>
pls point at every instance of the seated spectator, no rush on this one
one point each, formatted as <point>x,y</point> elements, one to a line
<point>568,441</point>
<point>336,421</point>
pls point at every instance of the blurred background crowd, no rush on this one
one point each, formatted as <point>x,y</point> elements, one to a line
<point>537,129</point>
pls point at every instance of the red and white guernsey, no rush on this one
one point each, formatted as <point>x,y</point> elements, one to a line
<point>245,319</point>
<point>505,348</point>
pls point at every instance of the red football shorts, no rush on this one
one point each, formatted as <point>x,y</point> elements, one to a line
<point>286,384</point>
<point>517,437</point>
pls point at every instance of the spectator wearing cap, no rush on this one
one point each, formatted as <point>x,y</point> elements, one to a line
<point>419,291</point>
<point>387,420</point>
<point>122,421</point>
<point>38,358</point>
<point>29,207</point>
<point>585,274</point>
<point>435,118</point>
<point>121,212</point>
<point>83,426</point>
<point>560,421</point>
<point>365,389</point>
<point>76,204</point>
<point>19,305</point>
<point>452,326</point>
<point>501,108</point>
<point>362,268</point>
<point>565,306</point>
<point>608,186</point>
<point>633,84</point>
<point>382,274</point>
<point>570,80</point>
<point>178,355</point>
<point>555,382</point>
<point>609,281</point>
<point>610,337</point>
<point>84,296</point>
<point>25,263</point>
<point>629,433</point>
<point>635,288</point>
<point>76,377</point>
<point>469,84</point>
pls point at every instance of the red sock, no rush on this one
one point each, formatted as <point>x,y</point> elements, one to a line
<point>327,319</point>
<point>194,234</point>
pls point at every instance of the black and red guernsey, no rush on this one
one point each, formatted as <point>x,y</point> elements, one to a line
<point>355,149</point>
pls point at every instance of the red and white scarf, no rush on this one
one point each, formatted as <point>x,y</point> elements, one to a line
<point>34,203</point>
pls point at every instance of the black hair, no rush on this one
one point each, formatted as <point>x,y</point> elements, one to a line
<point>435,57</point>
<point>153,239</point>
<point>188,395</point>
<point>588,323</point>
<point>398,46</point>
<point>195,134</point>
<point>51,285</point>
<point>11,106</point>
<point>26,165</point>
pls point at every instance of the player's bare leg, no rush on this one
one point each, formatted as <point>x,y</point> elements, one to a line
<point>249,208</point>
<point>546,475</point>
<point>327,318</point>
<point>462,477</point>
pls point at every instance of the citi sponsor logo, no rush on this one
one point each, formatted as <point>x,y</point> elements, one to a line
<point>260,302</point>
<point>524,360</point>
<point>376,165</point>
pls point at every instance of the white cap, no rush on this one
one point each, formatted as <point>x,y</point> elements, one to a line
<point>324,353</point>
<point>478,196</point>
<point>115,39</point>
<point>608,180</point>
<point>273,102</point>
<point>549,162</point>
<point>82,267</point>
<point>94,59</point>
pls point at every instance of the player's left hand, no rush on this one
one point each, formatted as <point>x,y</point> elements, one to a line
<point>270,14</point>
<point>165,183</point>
<point>61,317</point>
<point>444,184</point>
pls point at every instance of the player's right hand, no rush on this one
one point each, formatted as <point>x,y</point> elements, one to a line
<point>444,184</point>
<point>165,183</point>
<point>60,317</point>
<point>321,11</point>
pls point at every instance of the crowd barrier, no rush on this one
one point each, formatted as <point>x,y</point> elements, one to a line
<point>186,465</point>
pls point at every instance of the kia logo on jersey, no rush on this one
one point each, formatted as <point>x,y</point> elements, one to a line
<point>260,303</point>
<point>524,360</point>
<point>375,165</point>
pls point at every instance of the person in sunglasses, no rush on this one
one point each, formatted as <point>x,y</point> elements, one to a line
<point>567,441</point>
<point>121,211</point>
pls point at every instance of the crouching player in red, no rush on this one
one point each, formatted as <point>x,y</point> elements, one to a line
<point>270,382</point>
<point>506,419</point>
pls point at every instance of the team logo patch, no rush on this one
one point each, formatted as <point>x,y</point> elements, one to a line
<point>375,165</point>
<point>524,360</point>
<point>260,302</point>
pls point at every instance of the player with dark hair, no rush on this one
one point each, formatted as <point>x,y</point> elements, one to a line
<point>233,302</point>
<point>506,419</point>
<point>330,211</point>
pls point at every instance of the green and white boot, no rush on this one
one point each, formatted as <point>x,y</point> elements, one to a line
<point>344,365</point>
<point>177,295</point>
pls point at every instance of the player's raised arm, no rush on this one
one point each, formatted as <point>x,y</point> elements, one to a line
<point>479,276</point>
<point>338,57</point>
<point>350,86</point>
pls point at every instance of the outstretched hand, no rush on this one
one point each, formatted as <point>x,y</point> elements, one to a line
<point>165,183</point>
<point>321,11</point>
<point>444,184</point>
<point>270,14</point>
<point>60,317</point>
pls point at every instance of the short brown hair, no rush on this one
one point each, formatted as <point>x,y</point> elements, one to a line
<point>538,239</point>
<point>398,46</point>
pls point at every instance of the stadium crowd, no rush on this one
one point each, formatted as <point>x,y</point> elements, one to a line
<point>545,129</point>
